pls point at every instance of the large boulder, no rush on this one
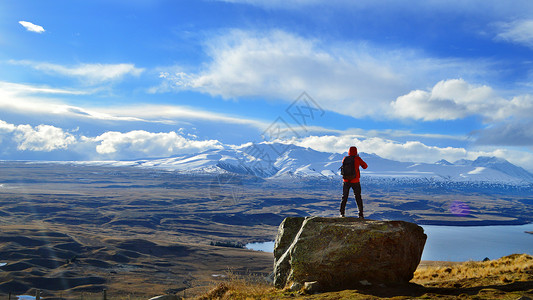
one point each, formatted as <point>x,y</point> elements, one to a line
<point>342,253</point>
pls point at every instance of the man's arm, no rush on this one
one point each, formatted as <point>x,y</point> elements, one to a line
<point>362,163</point>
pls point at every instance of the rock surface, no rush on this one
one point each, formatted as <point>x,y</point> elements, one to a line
<point>165,297</point>
<point>338,253</point>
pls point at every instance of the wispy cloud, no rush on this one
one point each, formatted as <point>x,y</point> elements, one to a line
<point>24,99</point>
<point>173,113</point>
<point>89,73</point>
<point>17,88</point>
<point>519,32</point>
<point>490,7</point>
<point>32,27</point>
<point>352,79</point>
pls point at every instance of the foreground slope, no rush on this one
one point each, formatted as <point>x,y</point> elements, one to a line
<point>509,277</point>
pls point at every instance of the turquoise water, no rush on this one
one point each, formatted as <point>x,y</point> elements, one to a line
<point>459,243</point>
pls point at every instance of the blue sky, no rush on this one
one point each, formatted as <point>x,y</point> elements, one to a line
<point>407,80</point>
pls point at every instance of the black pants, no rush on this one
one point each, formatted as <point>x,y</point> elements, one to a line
<point>345,193</point>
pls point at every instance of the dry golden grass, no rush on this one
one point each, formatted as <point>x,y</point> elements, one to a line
<point>509,277</point>
<point>240,287</point>
<point>516,267</point>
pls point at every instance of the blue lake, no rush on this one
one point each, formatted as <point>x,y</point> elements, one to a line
<point>459,243</point>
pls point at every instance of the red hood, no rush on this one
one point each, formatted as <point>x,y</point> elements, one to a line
<point>352,151</point>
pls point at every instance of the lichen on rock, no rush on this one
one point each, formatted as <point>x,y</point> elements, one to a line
<point>339,253</point>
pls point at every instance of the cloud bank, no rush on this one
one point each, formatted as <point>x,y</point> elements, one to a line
<point>109,145</point>
<point>18,140</point>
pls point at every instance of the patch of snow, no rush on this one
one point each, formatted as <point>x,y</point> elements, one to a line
<point>263,161</point>
<point>477,170</point>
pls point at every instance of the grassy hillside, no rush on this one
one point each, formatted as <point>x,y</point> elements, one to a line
<point>509,277</point>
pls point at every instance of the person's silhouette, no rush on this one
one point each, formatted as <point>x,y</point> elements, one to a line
<point>351,176</point>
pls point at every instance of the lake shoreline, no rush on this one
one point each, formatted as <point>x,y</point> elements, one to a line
<point>472,223</point>
<point>478,242</point>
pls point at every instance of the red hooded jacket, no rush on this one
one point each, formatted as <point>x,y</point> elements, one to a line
<point>358,163</point>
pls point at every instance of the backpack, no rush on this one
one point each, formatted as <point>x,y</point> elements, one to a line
<point>348,168</point>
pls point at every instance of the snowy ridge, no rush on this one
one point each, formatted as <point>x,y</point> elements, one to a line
<point>279,161</point>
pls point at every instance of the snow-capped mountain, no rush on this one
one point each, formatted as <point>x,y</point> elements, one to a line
<point>270,160</point>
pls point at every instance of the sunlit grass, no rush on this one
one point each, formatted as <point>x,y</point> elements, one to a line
<point>484,276</point>
<point>516,267</point>
<point>240,287</point>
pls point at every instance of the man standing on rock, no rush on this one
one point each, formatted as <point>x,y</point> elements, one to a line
<point>350,177</point>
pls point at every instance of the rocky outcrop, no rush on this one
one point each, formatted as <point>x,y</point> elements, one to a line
<point>165,297</point>
<point>342,253</point>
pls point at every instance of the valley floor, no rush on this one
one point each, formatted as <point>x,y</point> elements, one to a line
<point>77,230</point>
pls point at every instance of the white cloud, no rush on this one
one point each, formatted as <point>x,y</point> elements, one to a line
<point>5,130</point>
<point>40,138</point>
<point>455,99</point>
<point>352,79</point>
<point>89,73</point>
<point>6,127</point>
<point>110,144</point>
<point>519,107</point>
<point>32,27</point>
<point>519,32</point>
<point>143,143</point>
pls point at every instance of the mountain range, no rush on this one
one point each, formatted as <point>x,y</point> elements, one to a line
<point>280,161</point>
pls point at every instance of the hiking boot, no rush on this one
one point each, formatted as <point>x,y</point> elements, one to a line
<point>361,217</point>
<point>341,216</point>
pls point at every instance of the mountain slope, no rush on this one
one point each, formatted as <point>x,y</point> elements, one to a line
<point>271,160</point>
